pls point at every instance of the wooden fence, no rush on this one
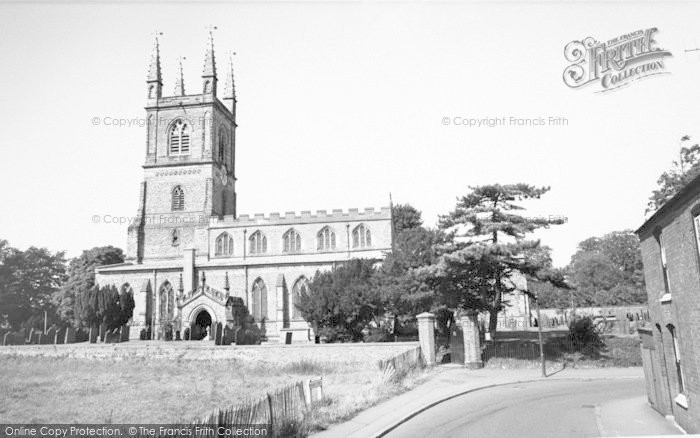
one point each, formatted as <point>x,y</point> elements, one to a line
<point>276,411</point>
<point>397,367</point>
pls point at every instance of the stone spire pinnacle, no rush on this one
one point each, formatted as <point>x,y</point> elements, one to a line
<point>180,82</point>
<point>230,85</point>
<point>209,73</point>
<point>155,80</point>
<point>154,74</point>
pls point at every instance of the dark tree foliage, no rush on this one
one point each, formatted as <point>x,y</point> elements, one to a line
<point>81,277</point>
<point>341,302</point>
<point>405,217</point>
<point>608,271</point>
<point>681,173</point>
<point>488,248</point>
<point>27,281</point>
<point>403,292</point>
<point>103,305</point>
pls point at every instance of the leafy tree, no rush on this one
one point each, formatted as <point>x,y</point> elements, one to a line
<point>81,278</point>
<point>681,173</point>
<point>405,217</point>
<point>404,294</point>
<point>341,302</point>
<point>608,270</point>
<point>27,281</point>
<point>488,248</point>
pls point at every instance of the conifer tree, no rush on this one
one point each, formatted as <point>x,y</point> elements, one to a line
<point>488,247</point>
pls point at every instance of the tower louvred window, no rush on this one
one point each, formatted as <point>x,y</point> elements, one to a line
<point>178,201</point>
<point>179,138</point>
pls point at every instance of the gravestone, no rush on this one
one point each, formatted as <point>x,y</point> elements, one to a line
<point>50,336</point>
<point>92,336</point>
<point>60,335</point>
<point>70,336</point>
<point>102,332</point>
<point>218,333</point>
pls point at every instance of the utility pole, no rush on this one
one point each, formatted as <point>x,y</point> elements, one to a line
<point>539,335</point>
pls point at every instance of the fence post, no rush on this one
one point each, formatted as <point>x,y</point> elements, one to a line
<point>426,336</point>
<point>472,344</point>
<point>269,404</point>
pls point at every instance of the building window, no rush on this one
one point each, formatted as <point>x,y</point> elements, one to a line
<point>301,287</point>
<point>677,358</point>
<point>696,227</point>
<point>175,237</point>
<point>292,241</point>
<point>224,244</point>
<point>222,145</point>
<point>178,199</point>
<point>664,268</point>
<point>259,300</point>
<point>326,239</point>
<point>258,243</point>
<point>179,138</point>
<point>167,302</point>
<point>361,237</point>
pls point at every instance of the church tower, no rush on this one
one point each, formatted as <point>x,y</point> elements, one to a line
<point>189,168</point>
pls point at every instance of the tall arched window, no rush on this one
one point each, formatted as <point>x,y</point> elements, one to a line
<point>361,237</point>
<point>259,300</point>
<point>167,302</point>
<point>178,199</point>
<point>326,239</point>
<point>222,144</point>
<point>175,237</point>
<point>258,243</point>
<point>224,244</point>
<point>292,241</point>
<point>179,138</point>
<point>301,286</point>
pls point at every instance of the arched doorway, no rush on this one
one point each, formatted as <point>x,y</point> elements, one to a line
<point>202,325</point>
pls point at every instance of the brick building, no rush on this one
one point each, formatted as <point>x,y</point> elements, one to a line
<point>189,250</point>
<point>670,244</point>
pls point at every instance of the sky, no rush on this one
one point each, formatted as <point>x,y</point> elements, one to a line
<point>339,105</point>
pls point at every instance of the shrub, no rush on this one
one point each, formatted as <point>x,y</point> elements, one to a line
<point>584,336</point>
<point>333,334</point>
<point>248,336</point>
<point>378,335</point>
<point>289,427</point>
<point>229,335</point>
<point>168,332</point>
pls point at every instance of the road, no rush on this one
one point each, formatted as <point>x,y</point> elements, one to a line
<point>563,408</point>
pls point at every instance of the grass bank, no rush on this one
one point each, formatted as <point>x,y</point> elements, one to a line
<point>168,388</point>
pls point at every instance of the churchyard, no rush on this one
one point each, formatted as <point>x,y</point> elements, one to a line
<point>157,382</point>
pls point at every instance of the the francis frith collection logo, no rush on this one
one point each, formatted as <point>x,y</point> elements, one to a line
<point>614,63</point>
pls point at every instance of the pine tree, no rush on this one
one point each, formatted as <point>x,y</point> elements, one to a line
<point>488,248</point>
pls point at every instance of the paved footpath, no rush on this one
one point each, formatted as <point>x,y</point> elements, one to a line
<point>451,381</point>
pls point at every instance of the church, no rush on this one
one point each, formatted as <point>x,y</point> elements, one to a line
<point>188,249</point>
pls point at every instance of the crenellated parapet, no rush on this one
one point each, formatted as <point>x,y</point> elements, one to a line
<point>305,216</point>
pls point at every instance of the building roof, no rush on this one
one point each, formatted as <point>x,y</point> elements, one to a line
<point>691,188</point>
